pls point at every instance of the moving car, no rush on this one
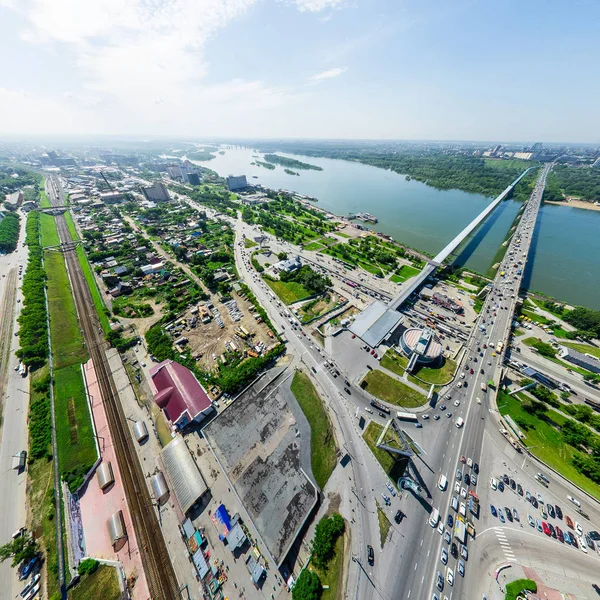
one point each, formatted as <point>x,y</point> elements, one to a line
<point>444,556</point>
<point>370,555</point>
<point>574,501</point>
<point>493,510</point>
<point>450,576</point>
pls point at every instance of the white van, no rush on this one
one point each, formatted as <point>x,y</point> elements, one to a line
<point>462,510</point>
<point>442,483</point>
<point>459,422</point>
<point>454,503</point>
<point>434,517</point>
<point>494,483</point>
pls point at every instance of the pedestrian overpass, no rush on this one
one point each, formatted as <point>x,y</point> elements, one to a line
<point>412,285</point>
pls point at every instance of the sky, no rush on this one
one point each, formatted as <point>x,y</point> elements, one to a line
<point>516,70</point>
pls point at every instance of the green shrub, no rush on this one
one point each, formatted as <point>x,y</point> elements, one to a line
<point>88,566</point>
<point>326,533</point>
<point>307,587</point>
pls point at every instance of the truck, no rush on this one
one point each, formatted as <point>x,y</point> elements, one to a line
<point>483,387</point>
<point>460,530</point>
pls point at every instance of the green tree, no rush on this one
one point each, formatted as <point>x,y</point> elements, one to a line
<point>88,566</point>
<point>21,549</point>
<point>326,533</point>
<point>307,587</point>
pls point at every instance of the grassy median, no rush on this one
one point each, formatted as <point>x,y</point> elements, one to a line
<point>392,464</point>
<point>322,442</point>
<point>391,390</point>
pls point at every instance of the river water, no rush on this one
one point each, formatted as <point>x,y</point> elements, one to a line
<point>564,255</point>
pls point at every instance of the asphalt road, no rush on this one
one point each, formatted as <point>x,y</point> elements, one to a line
<point>13,433</point>
<point>421,577</point>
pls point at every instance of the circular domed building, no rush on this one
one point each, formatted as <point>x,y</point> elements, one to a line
<point>423,343</point>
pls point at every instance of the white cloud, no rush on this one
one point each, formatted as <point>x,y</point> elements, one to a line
<point>328,74</point>
<point>317,5</point>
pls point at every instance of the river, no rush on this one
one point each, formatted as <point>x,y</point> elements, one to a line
<point>565,250</point>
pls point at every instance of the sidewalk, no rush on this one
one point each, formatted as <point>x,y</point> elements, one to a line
<point>97,506</point>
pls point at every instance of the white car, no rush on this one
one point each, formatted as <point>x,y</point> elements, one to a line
<point>582,544</point>
<point>463,492</point>
<point>450,576</point>
<point>469,462</point>
<point>478,400</point>
<point>441,528</point>
<point>457,403</point>
<point>539,497</point>
<point>578,528</point>
<point>457,487</point>
<point>574,501</point>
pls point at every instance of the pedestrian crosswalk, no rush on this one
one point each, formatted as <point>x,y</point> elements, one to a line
<point>505,545</point>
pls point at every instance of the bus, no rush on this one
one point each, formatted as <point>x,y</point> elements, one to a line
<point>350,283</point>
<point>404,416</point>
<point>499,347</point>
<point>380,407</point>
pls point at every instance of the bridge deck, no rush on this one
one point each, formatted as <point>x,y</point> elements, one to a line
<point>413,284</point>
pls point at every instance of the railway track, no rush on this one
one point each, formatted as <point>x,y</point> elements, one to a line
<point>160,575</point>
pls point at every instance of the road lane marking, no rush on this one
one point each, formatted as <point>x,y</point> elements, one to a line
<point>421,542</point>
<point>415,566</point>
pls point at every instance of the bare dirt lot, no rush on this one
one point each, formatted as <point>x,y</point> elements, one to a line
<point>208,339</point>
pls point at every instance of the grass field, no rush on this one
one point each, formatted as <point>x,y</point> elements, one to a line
<point>314,247</point>
<point>103,583</point>
<point>394,468</point>
<point>95,292</point>
<point>44,201</point>
<point>544,438</point>
<point>403,273</point>
<point>249,243</point>
<point>391,390</point>
<point>74,433</point>
<point>585,348</point>
<point>397,363</point>
<point>344,235</point>
<point>48,230</point>
<point>67,341</point>
<point>332,576</point>
<point>322,442</point>
<point>71,226</point>
<point>288,291</point>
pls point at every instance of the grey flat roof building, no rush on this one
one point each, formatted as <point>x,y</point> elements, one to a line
<point>374,323</point>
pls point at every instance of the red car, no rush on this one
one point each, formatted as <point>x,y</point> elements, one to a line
<point>353,336</point>
<point>372,351</point>
<point>546,528</point>
<point>559,534</point>
<point>471,371</point>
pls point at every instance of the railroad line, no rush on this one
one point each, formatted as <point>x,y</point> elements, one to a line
<point>160,575</point>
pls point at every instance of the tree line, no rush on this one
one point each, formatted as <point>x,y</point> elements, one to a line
<point>9,232</point>
<point>33,333</point>
<point>566,180</point>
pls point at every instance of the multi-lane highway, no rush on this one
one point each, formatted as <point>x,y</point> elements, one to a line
<point>14,399</point>
<point>485,363</point>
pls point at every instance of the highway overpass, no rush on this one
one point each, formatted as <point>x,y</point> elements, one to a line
<point>415,283</point>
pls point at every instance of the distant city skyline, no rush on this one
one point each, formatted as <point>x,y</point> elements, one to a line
<point>323,69</point>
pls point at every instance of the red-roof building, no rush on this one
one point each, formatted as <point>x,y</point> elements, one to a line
<point>179,394</point>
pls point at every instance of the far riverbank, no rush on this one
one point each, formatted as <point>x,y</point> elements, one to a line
<point>575,204</point>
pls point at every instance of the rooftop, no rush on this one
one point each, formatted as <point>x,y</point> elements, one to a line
<point>257,443</point>
<point>178,393</point>
<point>186,481</point>
<point>374,323</point>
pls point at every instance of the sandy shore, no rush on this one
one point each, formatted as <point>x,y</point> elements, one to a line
<point>575,204</point>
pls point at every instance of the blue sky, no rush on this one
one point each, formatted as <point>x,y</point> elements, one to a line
<point>417,69</point>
